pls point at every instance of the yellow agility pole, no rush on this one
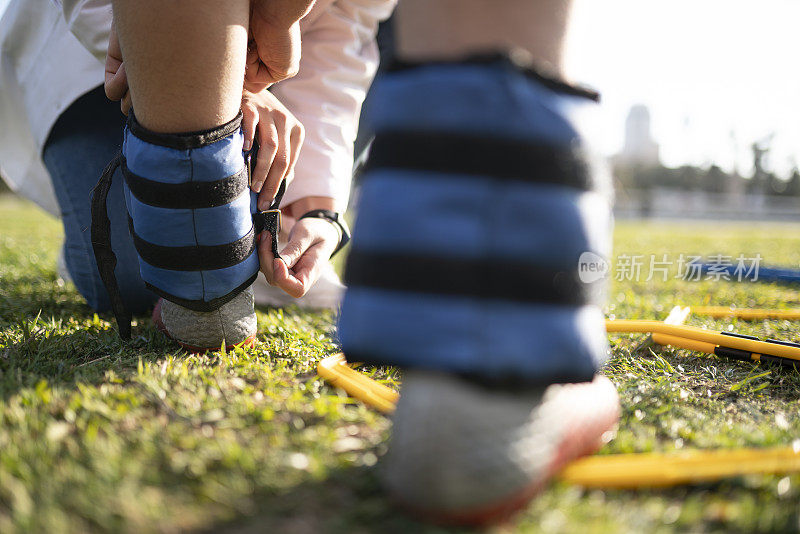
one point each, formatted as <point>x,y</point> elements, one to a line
<point>747,314</point>
<point>656,470</point>
<point>755,347</point>
<point>677,315</point>
<point>335,370</point>
<point>683,343</point>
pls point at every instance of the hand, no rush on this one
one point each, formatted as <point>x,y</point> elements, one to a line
<point>116,84</point>
<point>274,51</point>
<point>311,243</point>
<point>280,137</point>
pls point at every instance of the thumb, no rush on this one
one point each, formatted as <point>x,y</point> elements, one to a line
<point>300,240</point>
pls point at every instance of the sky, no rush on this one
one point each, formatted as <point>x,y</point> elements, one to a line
<point>717,75</point>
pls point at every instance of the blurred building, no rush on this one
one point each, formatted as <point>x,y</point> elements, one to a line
<point>640,149</point>
<point>646,189</point>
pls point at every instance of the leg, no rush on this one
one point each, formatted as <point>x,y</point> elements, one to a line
<point>187,193</point>
<point>84,138</point>
<point>185,60</point>
<point>478,202</point>
<point>448,29</point>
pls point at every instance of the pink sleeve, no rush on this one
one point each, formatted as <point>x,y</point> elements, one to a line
<point>339,60</point>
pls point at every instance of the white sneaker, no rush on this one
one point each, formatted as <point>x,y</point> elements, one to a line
<point>327,293</point>
<point>233,323</point>
<point>467,454</point>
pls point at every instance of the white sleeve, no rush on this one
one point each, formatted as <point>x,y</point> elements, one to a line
<point>90,22</point>
<point>340,58</point>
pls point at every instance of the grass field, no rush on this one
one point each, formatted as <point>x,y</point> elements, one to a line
<point>97,435</point>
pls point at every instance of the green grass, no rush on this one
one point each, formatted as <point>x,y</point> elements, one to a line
<point>97,435</point>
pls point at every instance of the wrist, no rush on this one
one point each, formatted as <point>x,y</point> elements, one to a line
<point>336,220</point>
<point>304,205</point>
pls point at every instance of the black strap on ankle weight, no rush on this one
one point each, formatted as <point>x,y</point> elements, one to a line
<point>270,220</point>
<point>101,244</point>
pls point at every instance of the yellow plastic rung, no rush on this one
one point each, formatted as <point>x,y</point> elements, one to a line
<point>335,370</point>
<point>748,314</point>
<point>701,334</point>
<point>626,471</point>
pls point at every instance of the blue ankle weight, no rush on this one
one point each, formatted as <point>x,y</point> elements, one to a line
<point>477,202</point>
<point>191,214</point>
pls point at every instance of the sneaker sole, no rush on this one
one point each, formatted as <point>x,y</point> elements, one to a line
<point>159,324</point>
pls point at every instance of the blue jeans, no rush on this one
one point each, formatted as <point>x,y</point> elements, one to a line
<point>82,142</point>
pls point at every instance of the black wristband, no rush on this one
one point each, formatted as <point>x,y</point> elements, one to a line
<point>337,220</point>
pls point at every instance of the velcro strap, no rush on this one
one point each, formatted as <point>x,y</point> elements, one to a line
<point>481,278</point>
<point>269,221</point>
<point>187,195</point>
<point>101,244</point>
<point>194,258</point>
<point>186,140</point>
<point>507,159</point>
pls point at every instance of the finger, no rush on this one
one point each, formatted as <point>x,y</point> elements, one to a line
<point>116,82</point>
<point>307,270</point>
<point>267,148</point>
<point>270,71</point>
<point>286,280</point>
<point>280,72</point>
<point>296,138</point>
<point>254,87</point>
<point>280,52</point>
<point>252,51</point>
<point>249,123</point>
<point>125,104</point>
<point>257,76</point>
<point>280,161</point>
<point>297,281</point>
<point>300,240</point>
